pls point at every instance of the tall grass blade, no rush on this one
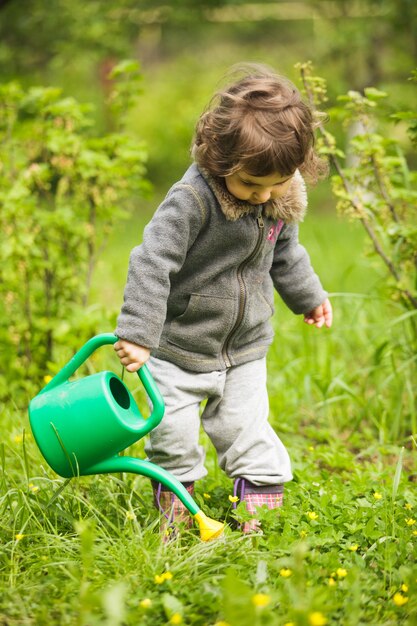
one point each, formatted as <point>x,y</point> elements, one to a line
<point>25,456</point>
<point>58,492</point>
<point>3,459</point>
<point>397,476</point>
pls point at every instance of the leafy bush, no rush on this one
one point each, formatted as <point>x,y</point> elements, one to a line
<point>62,189</point>
<point>376,187</point>
<point>374,184</point>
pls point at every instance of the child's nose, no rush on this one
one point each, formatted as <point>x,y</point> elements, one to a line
<point>263,196</point>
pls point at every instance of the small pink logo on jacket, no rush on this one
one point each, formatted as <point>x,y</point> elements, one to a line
<point>274,231</point>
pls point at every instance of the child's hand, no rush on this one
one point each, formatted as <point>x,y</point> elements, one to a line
<point>322,314</point>
<point>131,355</point>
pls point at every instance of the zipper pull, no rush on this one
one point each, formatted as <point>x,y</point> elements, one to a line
<point>260,220</point>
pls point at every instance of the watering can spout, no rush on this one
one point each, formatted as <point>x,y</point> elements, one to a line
<point>209,528</point>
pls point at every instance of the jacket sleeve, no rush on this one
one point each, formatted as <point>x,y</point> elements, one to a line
<point>292,273</point>
<point>166,240</point>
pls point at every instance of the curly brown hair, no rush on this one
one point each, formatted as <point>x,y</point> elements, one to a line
<point>260,124</point>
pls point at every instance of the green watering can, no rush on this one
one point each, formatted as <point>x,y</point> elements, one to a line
<point>82,425</point>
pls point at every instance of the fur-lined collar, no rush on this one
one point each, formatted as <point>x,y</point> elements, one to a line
<point>291,208</point>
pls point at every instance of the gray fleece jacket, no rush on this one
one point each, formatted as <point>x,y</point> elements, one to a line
<point>200,288</point>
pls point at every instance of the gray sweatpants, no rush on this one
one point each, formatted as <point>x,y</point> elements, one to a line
<point>235,418</point>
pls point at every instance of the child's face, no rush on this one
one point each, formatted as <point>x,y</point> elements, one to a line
<point>257,189</point>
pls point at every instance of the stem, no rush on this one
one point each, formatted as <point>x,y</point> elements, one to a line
<point>383,190</point>
<point>90,251</point>
<point>48,282</point>
<point>28,313</point>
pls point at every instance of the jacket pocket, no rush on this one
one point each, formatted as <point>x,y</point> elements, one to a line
<point>255,326</point>
<point>204,325</point>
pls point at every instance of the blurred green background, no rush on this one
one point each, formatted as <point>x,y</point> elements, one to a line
<point>185,47</point>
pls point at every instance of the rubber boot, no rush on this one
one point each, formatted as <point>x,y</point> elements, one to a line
<point>173,511</point>
<point>254,496</point>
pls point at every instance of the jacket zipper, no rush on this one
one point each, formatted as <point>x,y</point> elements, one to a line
<point>242,287</point>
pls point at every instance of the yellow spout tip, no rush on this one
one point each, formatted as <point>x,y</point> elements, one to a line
<point>209,528</point>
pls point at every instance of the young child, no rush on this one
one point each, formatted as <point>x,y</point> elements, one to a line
<point>200,288</point>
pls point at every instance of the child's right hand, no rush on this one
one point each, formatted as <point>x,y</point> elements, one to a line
<point>131,355</point>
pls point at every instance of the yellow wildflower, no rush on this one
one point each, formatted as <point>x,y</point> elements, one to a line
<point>233,498</point>
<point>285,572</point>
<point>303,534</point>
<point>414,533</point>
<point>410,521</point>
<point>222,623</point>
<point>130,515</point>
<point>18,438</point>
<point>311,448</point>
<point>161,578</point>
<point>399,599</point>
<point>33,488</point>
<point>261,600</point>
<point>19,536</point>
<point>312,515</point>
<point>176,619</point>
<point>331,581</point>
<point>317,619</point>
<point>47,379</point>
<point>353,548</point>
<point>377,495</point>
<point>289,624</point>
<point>404,588</point>
<point>408,506</point>
<point>207,496</point>
<point>146,603</point>
<point>341,572</point>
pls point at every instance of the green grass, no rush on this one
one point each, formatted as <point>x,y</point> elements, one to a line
<point>344,545</point>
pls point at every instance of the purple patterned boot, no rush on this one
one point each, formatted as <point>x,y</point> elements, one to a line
<point>254,496</point>
<point>172,509</point>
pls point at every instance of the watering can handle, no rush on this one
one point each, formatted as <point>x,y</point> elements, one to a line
<point>144,374</point>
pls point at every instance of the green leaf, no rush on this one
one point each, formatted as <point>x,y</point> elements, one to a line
<point>404,115</point>
<point>397,476</point>
<point>238,608</point>
<point>128,66</point>
<point>261,572</point>
<point>171,605</point>
<point>374,94</point>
